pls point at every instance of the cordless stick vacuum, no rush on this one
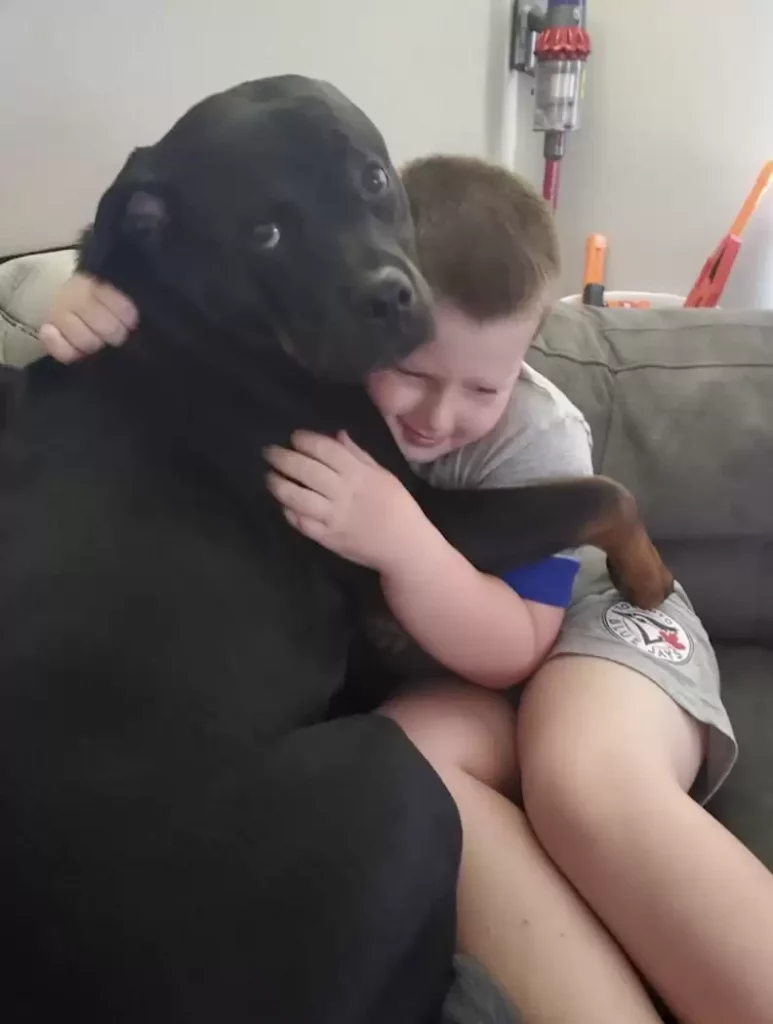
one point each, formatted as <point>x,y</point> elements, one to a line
<point>553,45</point>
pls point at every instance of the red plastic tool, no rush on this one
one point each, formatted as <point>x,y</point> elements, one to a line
<point>711,282</point>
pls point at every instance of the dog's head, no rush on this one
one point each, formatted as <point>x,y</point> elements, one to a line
<point>274,213</point>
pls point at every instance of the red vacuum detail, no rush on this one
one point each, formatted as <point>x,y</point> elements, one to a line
<point>567,42</point>
<point>551,182</point>
<point>550,41</point>
<point>561,52</point>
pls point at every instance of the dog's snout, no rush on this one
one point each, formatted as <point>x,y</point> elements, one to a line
<point>389,295</point>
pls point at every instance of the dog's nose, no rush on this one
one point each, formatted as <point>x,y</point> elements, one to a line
<point>389,295</point>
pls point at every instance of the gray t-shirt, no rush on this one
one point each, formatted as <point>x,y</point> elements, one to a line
<point>541,435</point>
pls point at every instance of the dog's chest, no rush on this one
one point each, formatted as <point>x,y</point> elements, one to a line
<point>144,596</point>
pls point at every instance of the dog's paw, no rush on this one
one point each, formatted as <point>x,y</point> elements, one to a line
<point>641,576</point>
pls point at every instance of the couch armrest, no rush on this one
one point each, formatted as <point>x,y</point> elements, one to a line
<point>27,288</point>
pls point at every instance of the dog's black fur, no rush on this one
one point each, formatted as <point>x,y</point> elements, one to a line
<point>185,836</point>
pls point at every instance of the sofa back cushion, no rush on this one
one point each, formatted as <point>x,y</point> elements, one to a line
<point>680,403</point>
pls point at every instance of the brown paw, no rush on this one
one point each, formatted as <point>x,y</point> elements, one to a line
<point>640,574</point>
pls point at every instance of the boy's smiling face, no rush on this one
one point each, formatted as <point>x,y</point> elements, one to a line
<point>453,390</point>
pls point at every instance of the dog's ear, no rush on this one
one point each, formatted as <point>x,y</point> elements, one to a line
<point>145,214</point>
<point>132,213</point>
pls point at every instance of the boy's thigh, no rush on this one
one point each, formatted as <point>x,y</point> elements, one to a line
<point>460,726</point>
<point>631,691</point>
<point>588,725</point>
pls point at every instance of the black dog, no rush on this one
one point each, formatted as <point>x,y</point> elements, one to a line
<point>185,837</point>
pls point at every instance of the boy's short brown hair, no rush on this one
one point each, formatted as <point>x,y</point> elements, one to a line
<point>486,240</point>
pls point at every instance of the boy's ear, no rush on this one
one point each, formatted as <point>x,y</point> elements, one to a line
<point>131,214</point>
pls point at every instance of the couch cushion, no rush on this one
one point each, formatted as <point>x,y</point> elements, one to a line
<point>745,803</point>
<point>27,286</point>
<point>681,407</point>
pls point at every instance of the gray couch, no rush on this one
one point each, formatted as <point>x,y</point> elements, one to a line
<point>680,403</point>
<point>681,407</point>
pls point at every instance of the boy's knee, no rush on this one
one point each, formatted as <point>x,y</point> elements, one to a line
<point>460,726</point>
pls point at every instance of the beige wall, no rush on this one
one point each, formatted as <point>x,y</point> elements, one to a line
<point>677,123</point>
<point>83,82</point>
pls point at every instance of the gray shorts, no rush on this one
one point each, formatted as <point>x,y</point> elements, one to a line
<point>668,646</point>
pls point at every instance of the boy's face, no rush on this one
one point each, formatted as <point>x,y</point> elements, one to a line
<point>453,390</point>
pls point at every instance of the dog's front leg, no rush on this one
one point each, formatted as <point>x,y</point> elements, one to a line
<point>503,528</point>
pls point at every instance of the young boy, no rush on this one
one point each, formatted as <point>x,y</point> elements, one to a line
<point>608,740</point>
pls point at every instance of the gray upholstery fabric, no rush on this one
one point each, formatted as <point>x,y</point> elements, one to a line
<point>681,407</point>
<point>745,803</point>
<point>680,403</point>
<point>27,286</point>
<point>474,998</point>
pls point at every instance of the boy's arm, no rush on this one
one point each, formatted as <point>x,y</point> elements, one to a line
<point>476,625</point>
<point>493,616</point>
<point>85,316</point>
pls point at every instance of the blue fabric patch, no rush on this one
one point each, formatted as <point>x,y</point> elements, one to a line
<point>547,582</point>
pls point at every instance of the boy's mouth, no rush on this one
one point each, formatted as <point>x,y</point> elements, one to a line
<point>418,438</point>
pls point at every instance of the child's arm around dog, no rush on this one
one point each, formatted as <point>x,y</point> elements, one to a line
<point>334,493</point>
<point>475,624</point>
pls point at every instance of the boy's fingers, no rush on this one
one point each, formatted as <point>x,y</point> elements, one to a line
<point>314,529</point>
<point>79,334</point>
<point>355,449</point>
<point>104,323</point>
<point>117,303</point>
<point>56,346</point>
<point>298,499</point>
<point>328,450</point>
<point>303,469</point>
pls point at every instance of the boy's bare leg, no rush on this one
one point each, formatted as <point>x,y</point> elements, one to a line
<point>607,760</point>
<point>517,914</point>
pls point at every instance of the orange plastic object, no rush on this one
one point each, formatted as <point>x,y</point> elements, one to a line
<point>761,186</point>
<point>595,259</point>
<point>712,279</point>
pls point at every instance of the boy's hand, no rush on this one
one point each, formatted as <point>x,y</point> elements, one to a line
<point>336,494</point>
<point>86,315</point>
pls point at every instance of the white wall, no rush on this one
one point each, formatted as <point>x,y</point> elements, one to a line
<point>677,123</point>
<point>81,83</point>
<point>678,117</point>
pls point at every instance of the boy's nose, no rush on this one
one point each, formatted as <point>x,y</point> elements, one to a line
<point>440,415</point>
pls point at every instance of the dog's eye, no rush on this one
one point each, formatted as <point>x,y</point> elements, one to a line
<point>266,236</point>
<point>374,178</point>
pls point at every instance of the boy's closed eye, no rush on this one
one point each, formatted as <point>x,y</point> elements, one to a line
<point>483,389</point>
<point>479,389</point>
